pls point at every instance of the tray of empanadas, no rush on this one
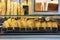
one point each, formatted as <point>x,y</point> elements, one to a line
<point>28,25</point>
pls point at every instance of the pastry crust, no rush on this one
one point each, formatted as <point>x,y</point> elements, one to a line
<point>8,7</point>
<point>3,7</point>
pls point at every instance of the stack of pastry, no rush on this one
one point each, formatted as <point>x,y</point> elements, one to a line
<point>19,9</point>
<point>12,10</point>
<point>38,6</point>
<point>30,6</point>
<point>11,7</point>
<point>15,8</point>
<point>3,7</point>
<point>0,7</point>
<point>53,6</point>
<point>8,7</point>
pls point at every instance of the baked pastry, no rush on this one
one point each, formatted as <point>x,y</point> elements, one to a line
<point>30,6</point>
<point>38,6</point>
<point>22,11</point>
<point>19,9</point>
<point>13,23</point>
<point>44,24</point>
<point>15,8</point>
<point>12,10</point>
<point>6,24</point>
<point>55,24</point>
<point>53,6</point>
<point>23,22</point>
<point>38,24</point>
<point>8,7</point>
<point>19,23</point>
<point>49,24</point>
<point>3,7</point>
<point>0,8</point>
<point>30,23</point>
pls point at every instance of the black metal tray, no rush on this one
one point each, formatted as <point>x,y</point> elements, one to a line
<point>42,31</point>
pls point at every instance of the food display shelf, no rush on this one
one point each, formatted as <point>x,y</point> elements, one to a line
<point>31,31</point>
<point>19,17</point>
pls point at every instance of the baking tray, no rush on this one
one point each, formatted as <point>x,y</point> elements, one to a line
<point>4,31</point>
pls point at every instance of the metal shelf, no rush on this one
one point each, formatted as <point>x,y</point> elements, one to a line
<point>30,33</point>
<point>34,15</point>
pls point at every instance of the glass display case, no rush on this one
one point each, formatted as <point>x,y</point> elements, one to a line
<point>18,17</point>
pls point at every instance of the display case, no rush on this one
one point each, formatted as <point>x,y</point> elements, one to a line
<point>20,17</point>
